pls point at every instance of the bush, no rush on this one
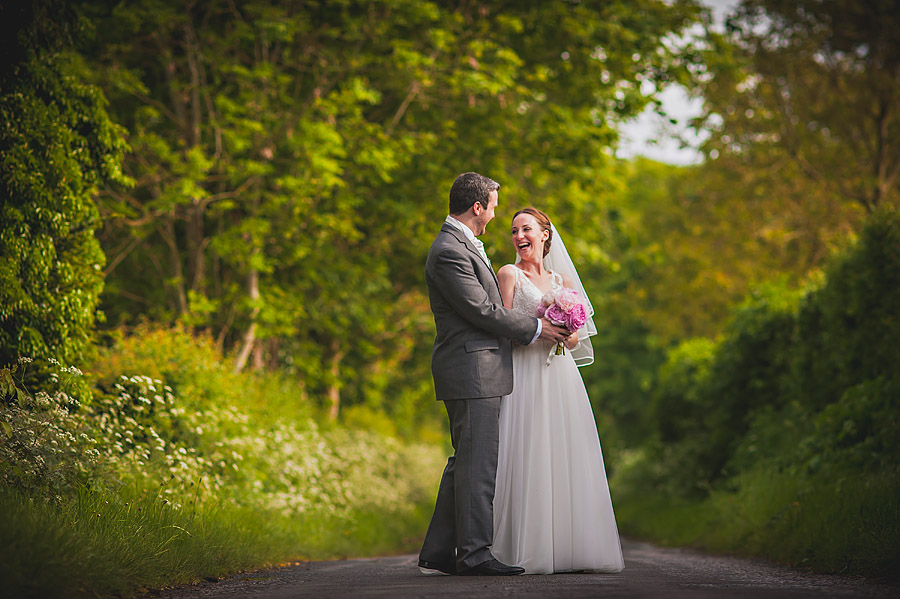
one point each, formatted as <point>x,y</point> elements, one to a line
<point>846,331</point>
<point>194,369</point>
<point>259,484</point>
<point>58,145</point>
<point>786,433</point>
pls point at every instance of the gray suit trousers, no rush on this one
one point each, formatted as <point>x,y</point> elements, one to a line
<point>462,528</point>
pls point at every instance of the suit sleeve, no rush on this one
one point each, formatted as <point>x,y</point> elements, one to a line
<point>454,276</point>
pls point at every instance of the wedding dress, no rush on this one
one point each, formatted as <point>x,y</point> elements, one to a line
<point>552,509</point>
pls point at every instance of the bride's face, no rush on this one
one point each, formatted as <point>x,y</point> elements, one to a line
<point>528,237</point>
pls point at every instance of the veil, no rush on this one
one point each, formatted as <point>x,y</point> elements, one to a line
<point>558,260</point>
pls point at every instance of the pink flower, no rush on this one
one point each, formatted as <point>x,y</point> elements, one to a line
<point>576,317</point>
<point>540,310</point>
<point>567,298</point>
<point>556,315</point>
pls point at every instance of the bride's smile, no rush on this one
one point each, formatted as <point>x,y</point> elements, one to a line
<point>528,238</point>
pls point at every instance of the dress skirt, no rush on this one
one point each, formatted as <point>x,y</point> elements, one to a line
<point>552,508</point>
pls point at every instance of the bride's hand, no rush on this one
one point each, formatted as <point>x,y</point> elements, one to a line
<point>571,341</point>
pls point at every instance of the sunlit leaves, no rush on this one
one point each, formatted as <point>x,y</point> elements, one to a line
<point>59,145</point>
<point>312,145</point>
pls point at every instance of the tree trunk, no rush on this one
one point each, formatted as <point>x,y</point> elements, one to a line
<point>249,338</point>
<point>258,356</point>
<point>334,388</point>
<point>196,247</point>
<point>168,234</point>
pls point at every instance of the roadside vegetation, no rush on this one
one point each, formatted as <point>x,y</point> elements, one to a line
<point>219,213</point>
<point>781,438</point>
<point>189,472</point>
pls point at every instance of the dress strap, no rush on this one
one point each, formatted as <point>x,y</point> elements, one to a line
<point>557,280</point>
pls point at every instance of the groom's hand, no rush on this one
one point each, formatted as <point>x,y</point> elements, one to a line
<point>553,332</point>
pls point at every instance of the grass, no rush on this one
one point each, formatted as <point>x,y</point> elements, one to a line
<point>839,523</point>
<point>100,544</point>
<point>81,517</point>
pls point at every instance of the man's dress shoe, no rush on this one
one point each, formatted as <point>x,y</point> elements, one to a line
<point>427,567</point>
<point>492,568</point>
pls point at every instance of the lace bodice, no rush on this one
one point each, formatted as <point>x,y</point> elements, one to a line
<point>527,296</point>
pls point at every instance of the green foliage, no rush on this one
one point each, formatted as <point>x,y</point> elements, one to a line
<point>46,450</point>
<point>844,525</point>
<point>96,544</point>
<point>58,146</point>
<point>793,416</point>
<point>290,159</point>
<point>682,247</point>
<point>806,95</point>
<point>102,544</point>
<point>787,355</point>
<point>191,366</point>
<point>289,162</point>
<point>860,431</point>
<point>243,484</point>
<point>846,326</point>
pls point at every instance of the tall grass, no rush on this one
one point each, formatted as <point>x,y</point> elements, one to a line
<point>837,522</point>
<point>100,544</point>
<point>159,481</point>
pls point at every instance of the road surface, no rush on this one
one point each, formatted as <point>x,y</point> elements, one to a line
<point>650,572</point>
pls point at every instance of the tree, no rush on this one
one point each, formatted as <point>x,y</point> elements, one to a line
<point>803,102</point>
<point>291,159</point>
<point>58,145</point>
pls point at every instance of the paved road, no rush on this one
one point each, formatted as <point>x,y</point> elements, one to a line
<point>649,572</point>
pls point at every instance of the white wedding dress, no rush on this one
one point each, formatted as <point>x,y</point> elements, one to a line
<point>552,509</point>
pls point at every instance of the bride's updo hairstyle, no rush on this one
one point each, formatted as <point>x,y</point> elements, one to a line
<point>543,220</point>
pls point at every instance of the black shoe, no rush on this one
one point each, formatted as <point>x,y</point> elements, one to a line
<point>444,567</point>
<point>492,568</point>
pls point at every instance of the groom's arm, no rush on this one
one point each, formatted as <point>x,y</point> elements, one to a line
<point>455,278</point>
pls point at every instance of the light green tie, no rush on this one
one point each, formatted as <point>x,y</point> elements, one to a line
<point>480,247</point>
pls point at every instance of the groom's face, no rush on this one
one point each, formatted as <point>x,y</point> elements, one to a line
<point>486,214</point>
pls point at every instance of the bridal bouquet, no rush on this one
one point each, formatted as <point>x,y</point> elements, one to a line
<point>563,307</point>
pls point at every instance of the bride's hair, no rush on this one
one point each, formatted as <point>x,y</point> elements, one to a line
<point>543,220</point>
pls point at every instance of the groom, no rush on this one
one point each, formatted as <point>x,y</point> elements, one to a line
<point>472,368</point>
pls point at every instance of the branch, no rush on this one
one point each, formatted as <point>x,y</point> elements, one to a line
<point>191,42</point>
<point>414,89</point>
<point>120,255</point>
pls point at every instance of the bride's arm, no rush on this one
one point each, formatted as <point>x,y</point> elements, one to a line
<point>506,276</point>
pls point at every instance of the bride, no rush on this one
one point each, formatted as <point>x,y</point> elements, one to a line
<point>552,509</point>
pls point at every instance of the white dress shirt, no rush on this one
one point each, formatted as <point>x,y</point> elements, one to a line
<point>479,245</point>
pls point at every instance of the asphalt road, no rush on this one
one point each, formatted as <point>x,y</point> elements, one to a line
<point>649,572</point>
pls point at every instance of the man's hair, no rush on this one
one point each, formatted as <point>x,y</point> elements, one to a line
<point>468,189</point>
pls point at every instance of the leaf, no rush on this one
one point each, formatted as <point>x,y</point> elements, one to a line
<point>7,429</point>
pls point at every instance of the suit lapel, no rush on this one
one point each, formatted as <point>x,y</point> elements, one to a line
<point>461,237</point>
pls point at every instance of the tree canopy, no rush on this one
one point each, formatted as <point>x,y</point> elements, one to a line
<point>291,160</point>
<point>58,146</point>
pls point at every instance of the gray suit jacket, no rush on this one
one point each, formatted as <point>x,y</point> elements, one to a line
<point>472,356</point>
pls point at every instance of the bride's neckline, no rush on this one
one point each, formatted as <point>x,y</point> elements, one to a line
<point>533,284</point>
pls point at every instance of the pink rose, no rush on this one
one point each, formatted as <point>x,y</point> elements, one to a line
<point>567,298</point>
<point>576,317</point>
<point>540,310</point>
<point>555,314</point>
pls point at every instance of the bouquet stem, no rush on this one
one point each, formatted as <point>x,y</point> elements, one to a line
<point>560,349</point>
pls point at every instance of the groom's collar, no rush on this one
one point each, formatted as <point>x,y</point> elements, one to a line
<point>461,226</point>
